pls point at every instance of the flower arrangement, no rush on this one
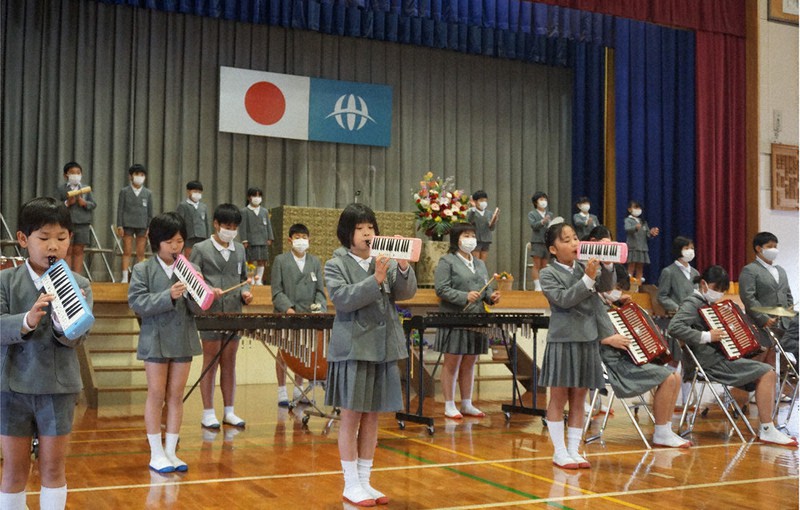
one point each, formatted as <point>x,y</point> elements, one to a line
<point>439,205</point>
<point>505,276</point>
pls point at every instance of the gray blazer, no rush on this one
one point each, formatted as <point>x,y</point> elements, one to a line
<point>453,281</point>
<point>584,224</point>
<point>577,314</point>
<point>687,326</point>
<point>483,231</point>
<point>80,215</point>
<point>757,288</point>
<point>168,329</point>
<point>196,219</point>
<point>673,287</point>
<point>535,219</point>
<point>256,230</point>
<point>366,327</point>
<point>40,362</point>
<point>218,272</point>
<point>293,289</point>
<point>133,211</point>
<point>636,239</point>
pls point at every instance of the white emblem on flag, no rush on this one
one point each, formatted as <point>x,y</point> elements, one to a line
<point>347,115</point>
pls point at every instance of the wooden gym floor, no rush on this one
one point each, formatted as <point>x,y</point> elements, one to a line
<point>471,464</point>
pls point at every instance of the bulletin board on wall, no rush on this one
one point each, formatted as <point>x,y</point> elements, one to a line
<point>785,177</point>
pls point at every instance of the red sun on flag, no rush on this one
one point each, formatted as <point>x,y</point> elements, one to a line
<point>265,103</point>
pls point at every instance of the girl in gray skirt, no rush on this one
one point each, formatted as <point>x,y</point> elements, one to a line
<point>459,279</point>
<point>578,321</point>
<point>747,374</point>
<point>366,342</point>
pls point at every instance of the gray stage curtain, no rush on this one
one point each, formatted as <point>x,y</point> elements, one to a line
<point>109,86</point>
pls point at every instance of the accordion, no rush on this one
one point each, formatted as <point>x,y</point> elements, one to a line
<point>647,344</point>
<point>197,287</point>
<point>604,252</point>
<point>69,306</point>
<point>400,248</point>
<point>739,339</point>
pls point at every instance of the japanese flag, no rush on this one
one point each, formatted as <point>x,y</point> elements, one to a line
<point>265,104</point>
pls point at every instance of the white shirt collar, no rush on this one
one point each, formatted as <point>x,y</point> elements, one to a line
<point>479,211</point>
<point>470,262</point>
<point>364,263</point>
<point>167,268</point>
<point>220,248</point>
<point>571,268</point>
<point>771,268</point>
<point>254,209</point>
<point>35,277</point>
<point>303,258</point>
<point>687,269</point>
<point>192,203</point>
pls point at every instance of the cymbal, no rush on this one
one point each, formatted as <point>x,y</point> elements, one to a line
<point>777,311</point>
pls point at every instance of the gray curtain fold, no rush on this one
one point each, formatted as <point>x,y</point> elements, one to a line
<point>109,86</point>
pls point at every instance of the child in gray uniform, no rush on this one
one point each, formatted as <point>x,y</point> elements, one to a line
<point>81,209</point>
<point>40,376</point>
<point>195,216</point>
<point>256,232</point>
<point>134,211</point>
<point>484,224</point>
<point>638,233</point>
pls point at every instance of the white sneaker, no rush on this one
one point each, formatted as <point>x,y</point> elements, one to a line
<point>671,440</point>
<point>774,436</point>
<point>565,461</point>
<point>232,419</point>
<point>580,460</point>
<point>358,496</point>
<point>210,422</point>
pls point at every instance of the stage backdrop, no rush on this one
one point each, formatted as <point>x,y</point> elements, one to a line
<point>109,85</point>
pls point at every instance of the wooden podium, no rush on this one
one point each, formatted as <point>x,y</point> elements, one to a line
<point>321,223</point>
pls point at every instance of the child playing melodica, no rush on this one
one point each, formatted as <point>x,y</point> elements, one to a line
<point>40,376</point>
<point>222,262</point>
<point>366,342</point>
<point>578,322</point>
<point>638,233</point>
<point>256,232</point>
<point>167,337</point>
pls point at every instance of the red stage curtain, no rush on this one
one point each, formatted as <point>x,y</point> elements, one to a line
<point>723,16</point>
<point>720,192</point>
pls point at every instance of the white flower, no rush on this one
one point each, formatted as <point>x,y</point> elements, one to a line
<point>416,196</point>
<point>424,203</point>
<point>449,195</point>
<point>434,207</point>
<point>444,200</point>
<point>448,212</point>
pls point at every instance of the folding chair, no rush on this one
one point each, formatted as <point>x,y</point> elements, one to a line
<point>784,380</point>
<point>641,402</point>
<point>701,377</point>
<point>526,265</point>
<point>97,248</point>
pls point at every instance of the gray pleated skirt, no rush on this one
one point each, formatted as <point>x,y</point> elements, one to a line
<point>364,386</point>
<point>539,250</point>
<point>460,341</point>
<point>627,379</point>
<point>639,256</point>
<point>572,365</point>
<point>739,373</point>
<point>258,252</point>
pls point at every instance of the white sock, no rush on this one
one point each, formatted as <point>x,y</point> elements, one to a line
<point>574,441</point>
<point>556,429</point>
<point>364,471</point>
<point>12,500</point>
<point>208,414</point>
<point>158,459</point>
<point>537,285</point>
<point>124,277</point>
<point>53,498</point>
<point>170,445</point>
<point>260,275</point>
<point>353,490</point>
<point>228,410</point>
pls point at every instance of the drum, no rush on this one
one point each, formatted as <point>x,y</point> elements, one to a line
<point>317,370</point>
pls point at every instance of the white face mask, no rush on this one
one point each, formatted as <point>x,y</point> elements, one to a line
<point>138,180</point>
<point>256,201</point>
<point>300,245</point>
<point>542,204</point>
<point>74,179</point>
<point>636,212</point>
<point>687,254</point>
<point>226,235</point>
<point>467,244</point>
<point>584,207</point>
<point>195,197</point>
<point>712,296</point>
<point>770,254</point>
<point>482,205</point>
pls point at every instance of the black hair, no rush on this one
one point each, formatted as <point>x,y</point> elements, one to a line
<point>455,234</point>
<point>164,227</point>
<point>634,203</point>
<point>678,244</point>
<point>227,213</point>
<point>41,211</point>
<point>191,185</point>
<point>479,194</point>
<point>536,196</point>
<point>554,232</point>
<point>351,216</point>
<point>582,200</point>
<point>136,167</point>
<point>69,166</point>
<point>251,192</point>
<point>298,228</point>
<point>763,238</point>
<point>716,275</point>
<point>599,232</point>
